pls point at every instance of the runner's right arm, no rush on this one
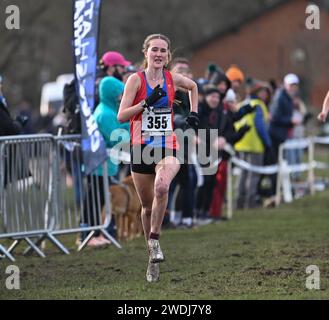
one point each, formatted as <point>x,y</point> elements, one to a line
<point>126,109</point>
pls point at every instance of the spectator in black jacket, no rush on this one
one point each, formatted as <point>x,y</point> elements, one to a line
<point>230,115</point>
<point>186,176</point>
<point>221,81</point>
<point>210,113</point>
<point>9,126</point>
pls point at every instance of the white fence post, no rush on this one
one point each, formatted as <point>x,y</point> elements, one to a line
<point>229,190</point>
<point>311,177</point>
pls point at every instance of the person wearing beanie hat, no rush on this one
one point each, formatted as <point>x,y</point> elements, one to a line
<point>211,71</point>
<point>221,81</point>
<point>230,96</point>
<point>235,75</point>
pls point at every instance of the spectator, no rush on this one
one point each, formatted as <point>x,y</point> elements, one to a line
<point>230,115</point>
<point>210,118</point>
<point>282,112</point>
<point>186,176</point>
<point>236,76</point>
<point>112,64</point>
<point>182,66</point>
<point>9,127</point>
<point>294,156</point>
<point>25,110</point>
<point>282,121</point>
<point>252,146</point>
<point>221,81</point>
<point>111,90</point>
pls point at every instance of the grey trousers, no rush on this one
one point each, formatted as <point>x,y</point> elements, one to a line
<point>247,184</point>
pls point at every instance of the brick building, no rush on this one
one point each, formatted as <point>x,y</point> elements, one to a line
<point>272,43</point>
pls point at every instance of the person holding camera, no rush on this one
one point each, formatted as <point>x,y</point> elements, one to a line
<point>8,125</point>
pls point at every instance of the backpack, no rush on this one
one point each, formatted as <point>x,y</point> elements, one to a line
<point>71,108</point>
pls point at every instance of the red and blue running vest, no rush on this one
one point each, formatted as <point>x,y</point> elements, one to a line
<point>145,90</point>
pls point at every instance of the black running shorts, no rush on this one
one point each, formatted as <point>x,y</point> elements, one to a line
<point>144,158</point>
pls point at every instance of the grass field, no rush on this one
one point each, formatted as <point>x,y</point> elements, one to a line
<point>260,254</point>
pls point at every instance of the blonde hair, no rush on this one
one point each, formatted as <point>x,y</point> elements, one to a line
<point>146,45</point>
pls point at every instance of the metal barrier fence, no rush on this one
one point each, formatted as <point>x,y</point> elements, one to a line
<point>26,189</point>
<point>80,198</point>
<point>44,193</point>
<point>288,167</point>
<point>283,169</point>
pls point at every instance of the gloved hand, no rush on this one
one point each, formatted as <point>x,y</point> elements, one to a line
<point>244,129</point>
<point>192,121</point>
<point>156,95</point>
<point>22,120</point>
<point>247,108</point>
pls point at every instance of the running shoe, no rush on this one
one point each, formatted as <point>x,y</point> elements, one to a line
<point>155,252</point>
<point>153,272</point>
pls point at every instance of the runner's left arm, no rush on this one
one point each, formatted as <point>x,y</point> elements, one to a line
<point>188,84</point>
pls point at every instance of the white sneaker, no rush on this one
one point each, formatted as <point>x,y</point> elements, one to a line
<point>155,252</point>
<point>153,272</point>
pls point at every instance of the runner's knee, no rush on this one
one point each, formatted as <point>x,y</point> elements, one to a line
<point>161,189</point>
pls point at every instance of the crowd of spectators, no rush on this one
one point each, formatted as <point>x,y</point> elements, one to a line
<point>252,115</point>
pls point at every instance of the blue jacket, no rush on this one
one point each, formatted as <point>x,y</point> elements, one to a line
<point>281,117</point>
<point>110,89</point>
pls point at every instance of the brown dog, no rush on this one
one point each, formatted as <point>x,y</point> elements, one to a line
<point>126,208</point>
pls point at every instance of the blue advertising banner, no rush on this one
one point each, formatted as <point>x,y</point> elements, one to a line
<point>86,23</point>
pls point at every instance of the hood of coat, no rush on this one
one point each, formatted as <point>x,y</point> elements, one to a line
<point>110,90</point>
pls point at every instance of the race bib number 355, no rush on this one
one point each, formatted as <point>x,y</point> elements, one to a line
<point>157,122</point>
